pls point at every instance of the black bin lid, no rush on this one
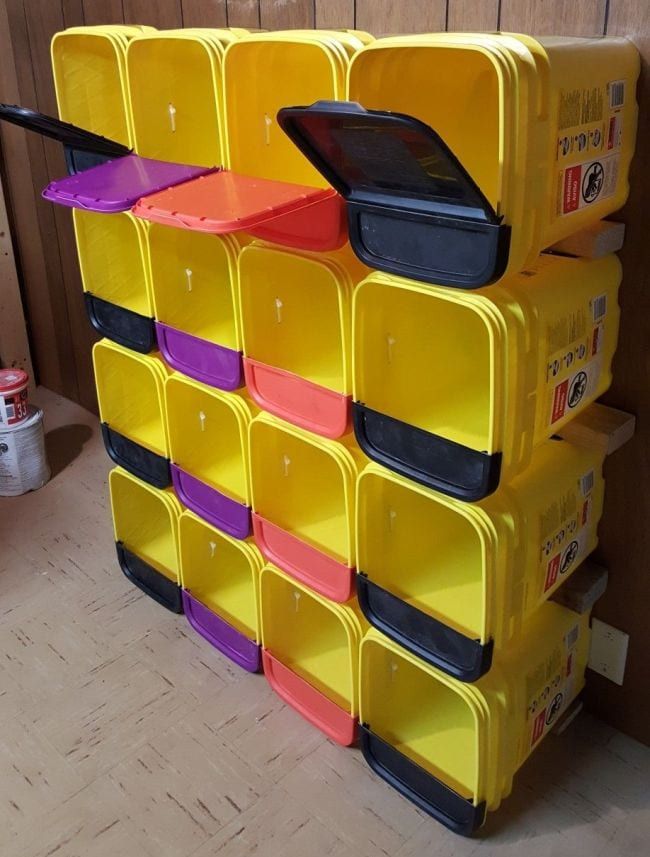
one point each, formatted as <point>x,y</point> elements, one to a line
<point>413,209</point>
<point>73,138</point>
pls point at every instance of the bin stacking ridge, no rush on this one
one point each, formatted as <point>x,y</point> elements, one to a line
<point>336,360</point>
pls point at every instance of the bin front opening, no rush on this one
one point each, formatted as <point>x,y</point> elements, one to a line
<point>308,638</point>
<point>129,399</point>
<point>143,524</point>
<point>111,260</point>
<point>292,316</point>
<point>422,716</point>
<point>426,361</point>
<point>454,91</point>
<point>299,487</point>
<point>219,575</point>
<point>286,73</point>
<point>206,439</point>
<point>174,102</point>
<point>89,85</point>
<point>424,552</point>
<point>192,283</point>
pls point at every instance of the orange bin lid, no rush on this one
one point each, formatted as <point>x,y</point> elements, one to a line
<point>225,202</point>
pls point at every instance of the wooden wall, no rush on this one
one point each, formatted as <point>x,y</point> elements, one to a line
<point>60,334</point>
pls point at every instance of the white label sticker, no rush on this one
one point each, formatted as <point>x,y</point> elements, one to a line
<point>598,308</point>
<point>568,394</point>
<point>586,183</point>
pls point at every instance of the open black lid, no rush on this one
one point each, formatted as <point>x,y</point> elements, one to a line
<point>63,132</point>
<point>413,208</point>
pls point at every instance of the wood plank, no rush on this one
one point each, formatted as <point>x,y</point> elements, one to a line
<point>472,15</point>
<point>585,586</point>
<point>286,14</point>
<point>600,428</point>
<point>243,13</point>
<point>334,14</point>
<point>14,345</point>
<point>204,13</point>
<point>383,17</point>
<point>43,19</point>
<point>34,220</point>
<point>624,534</point>
<point>164,14</point>
<point>73,13</point>
<point>594,241</point>
<point>101,12</point>
<point>554,17</point>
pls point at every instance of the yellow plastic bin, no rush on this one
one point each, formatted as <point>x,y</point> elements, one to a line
<point>175,95</point>
<point>456,389</point>
<point>194,284</point>
<point>131,395</point>
<point>268,188</point>
<point>453,748</point>
<point>454,582</point>
<point>473,152</point>
<point>145,520</point>
<point>89,66</point>
<point>296,311</point>
<point>311,653</point>
<point>208,441</point>
<point>114,266</point>
<point>303,504</point>
<point>220,578</point>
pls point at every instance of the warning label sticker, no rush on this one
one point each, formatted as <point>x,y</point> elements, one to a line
<point>568,394</point>
<point>566,528</point>
<point>550,687</point>
<point>583,184</point>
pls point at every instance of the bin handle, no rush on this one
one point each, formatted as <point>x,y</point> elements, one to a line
<point>427,792</point>
<point>436,643</point>
<point>65,133</point>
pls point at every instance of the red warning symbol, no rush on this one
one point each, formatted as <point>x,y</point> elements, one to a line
<point>559,401</point>
<point>538,727</point>
<point>552,572</point>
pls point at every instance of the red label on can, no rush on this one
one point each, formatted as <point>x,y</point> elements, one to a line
<point>572,178</point>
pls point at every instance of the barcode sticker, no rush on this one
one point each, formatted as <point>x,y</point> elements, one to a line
<point>616,93</point>
<point>587,483</point>
<point>599,307</point>
<point>572,637</point>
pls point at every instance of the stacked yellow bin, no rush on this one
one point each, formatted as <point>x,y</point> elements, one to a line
<point>316,436</point>
<point>461,158</point>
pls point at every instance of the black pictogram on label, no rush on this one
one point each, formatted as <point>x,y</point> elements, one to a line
<point>569,556</point>
<point>577,389</point>
<point>592,182</point>
<point>554,708</point>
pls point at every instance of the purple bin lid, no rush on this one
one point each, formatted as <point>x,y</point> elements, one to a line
<point>117,185</point>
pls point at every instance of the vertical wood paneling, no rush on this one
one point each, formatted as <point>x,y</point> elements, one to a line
<point>43,19</point>
<point>73,12</point>
<point>101,12</point>
<point>334,14</point>
<point>286,14</point>
<point>382,17</point>
<point>624,534</point>
<point>554,17</point>
<point>243,13</point>
<point>36,232</point>
<point>465,15</point>
<point>204,13</point>
<point>164,14</point>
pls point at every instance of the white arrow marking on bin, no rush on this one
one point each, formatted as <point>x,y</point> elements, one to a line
<point>188,277</point>
<point>172,117</point>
